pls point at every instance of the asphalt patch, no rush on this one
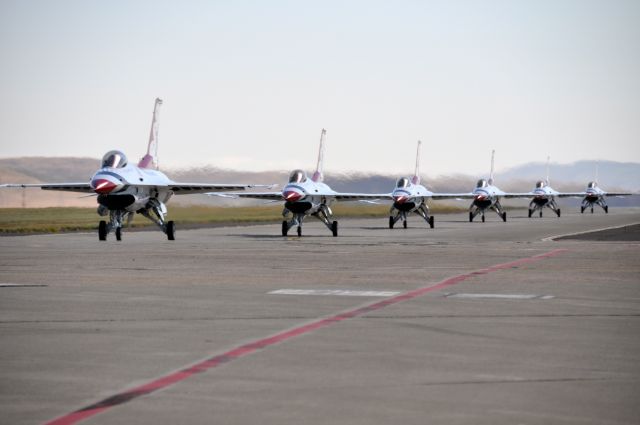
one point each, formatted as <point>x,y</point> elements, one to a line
<point>620,234</point>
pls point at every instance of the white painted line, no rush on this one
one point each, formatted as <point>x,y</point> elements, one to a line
<point>334,292</point>
<point>553,238</point>
<point>502,296</point>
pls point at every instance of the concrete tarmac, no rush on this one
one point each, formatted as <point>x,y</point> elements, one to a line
<point>497,335</point>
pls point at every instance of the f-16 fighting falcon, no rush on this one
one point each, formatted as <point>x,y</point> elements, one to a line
<point>486,196</point>
<point>124,189</point>
<point>304,196</point>
<point>410,196</point>
<point>593,195</point>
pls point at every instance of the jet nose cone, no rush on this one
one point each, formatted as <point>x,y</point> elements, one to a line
<point>400,199</point>
<point>103,186</point>
<point>292,195</point>
<point>480,197</point>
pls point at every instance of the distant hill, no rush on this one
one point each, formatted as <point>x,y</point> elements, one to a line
<point>564,177</point>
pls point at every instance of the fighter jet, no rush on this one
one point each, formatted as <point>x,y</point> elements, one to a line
<point>304,196</point>
<point>544,196</point>
<point>593,195</point>
<point>486,196</point>
<point>124,189</point>
<point>410,196</point>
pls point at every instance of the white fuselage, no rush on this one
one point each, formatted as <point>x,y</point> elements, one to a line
<point>307,197</point>
<point>410,198</point>
<point>486,197</point>
<point>130,188</point>
<point>543,195</point>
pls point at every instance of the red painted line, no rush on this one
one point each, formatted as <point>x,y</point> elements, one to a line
<point>244,350</point>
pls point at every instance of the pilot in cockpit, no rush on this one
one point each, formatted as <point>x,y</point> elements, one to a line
<point>114,159</point>
<point>297,176</point>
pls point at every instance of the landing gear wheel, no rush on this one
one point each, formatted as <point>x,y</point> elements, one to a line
<point>118,233</point>
<point>558,212</point>
<point>540,214</point>
<point>431,221</point>
<point>581,210</point>
<point>591,210</point>
<point>470,217</point>
<point>530,213</point>
<point>606,209</point>
<point>171,230</point>
<point>285,228</point>
<point>504,216</point>
<point>404,224</point>
<point>483,218</point>
<point>299,230</point>
<point>102,230</point>
<point>391,223</point>
<point>334,228</point>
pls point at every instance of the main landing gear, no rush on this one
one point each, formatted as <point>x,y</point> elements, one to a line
<point>474,211</point>
<point>324,214</point>
<point>601,202</point>
<point>422,211</point>
<point>154,211</point>
<point>116,217</point>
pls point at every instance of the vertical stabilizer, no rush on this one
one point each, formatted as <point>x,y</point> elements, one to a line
<point>596,177</point>
<point>318,176</point>
<point>150,160</point>
<point>493,153</point>
<point>548,159</point>
<point>416,174</point>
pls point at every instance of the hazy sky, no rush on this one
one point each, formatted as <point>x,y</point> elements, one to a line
<point>250,84</point>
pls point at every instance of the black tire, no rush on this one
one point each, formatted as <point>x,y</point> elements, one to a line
<point>118,233</point>
<point>530,213</point>
<point>591,210</point>
<point>504,216</point>
<point>285,228</point>
<point>558,213</point>
<point>431,221</point>
<point>102,230</point>
<point>606,209</point>
<point>404,224</point>
<point>540,213</point>
<point>391,222</point>
<point>483,218</point>
<point>581,210</point>
<point>299,231</point>
<point>470,217</point>
<point>171,230</point>
<point>334,228</point>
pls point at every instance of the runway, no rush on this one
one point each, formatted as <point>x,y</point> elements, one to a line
<point>467,323</point>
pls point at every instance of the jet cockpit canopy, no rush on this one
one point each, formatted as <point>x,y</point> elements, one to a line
<point>403,182</point>
<point>297,176</point>
<point>482,183</point>
<point>540,184</point>
<point>114,159</point>
<point>592,185</point>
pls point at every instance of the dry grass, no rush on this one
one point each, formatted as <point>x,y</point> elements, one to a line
<point>53,220</point>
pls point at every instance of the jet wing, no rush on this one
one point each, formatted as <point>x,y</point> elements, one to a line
<point>191,188</point>
<point>440,196</point>
<point>66,187</point>
<point>273,196</point>
<point>518,195</point>
<point>359,196</point>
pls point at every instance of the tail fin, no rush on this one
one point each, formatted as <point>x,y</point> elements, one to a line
<point>318,176</point>
<point>548,159</point>
<point>493,153</point>
<point>416,174</point>
<point>150,160</point>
